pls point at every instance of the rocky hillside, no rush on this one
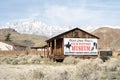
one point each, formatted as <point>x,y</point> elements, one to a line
<point>109,38</point>
<point>24,39</point>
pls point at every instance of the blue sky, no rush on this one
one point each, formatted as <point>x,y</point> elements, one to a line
<point>62,12</point>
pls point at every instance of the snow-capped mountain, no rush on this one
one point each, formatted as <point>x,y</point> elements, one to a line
<point>35,27</point>
<point>39,28</point>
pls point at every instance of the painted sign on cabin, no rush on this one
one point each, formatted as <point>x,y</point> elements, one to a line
<point>80,46</point>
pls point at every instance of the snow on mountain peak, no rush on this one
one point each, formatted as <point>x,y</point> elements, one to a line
<point>35,27</point>
<point>39,28</point>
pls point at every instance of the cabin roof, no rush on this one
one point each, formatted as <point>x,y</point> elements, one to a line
<point>70,31</point>
<point>41,47</point>
<point>12,43</point>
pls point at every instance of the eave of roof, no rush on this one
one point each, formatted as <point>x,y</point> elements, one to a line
<point>39,47</point>
<point>70,31</point>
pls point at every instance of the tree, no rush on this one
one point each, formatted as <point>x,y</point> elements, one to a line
<point>8,37</point>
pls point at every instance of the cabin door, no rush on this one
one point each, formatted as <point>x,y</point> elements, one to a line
<point>59,46</point>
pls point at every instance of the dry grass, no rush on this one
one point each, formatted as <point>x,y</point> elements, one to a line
<point>92,69</point>
<point>23,59</point>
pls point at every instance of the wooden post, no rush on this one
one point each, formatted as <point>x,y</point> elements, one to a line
<point>55,52</point>
<point>51,48</point>
<point>44,52</point>
<point>47,49</point>
<point>62,46</point>
<point>36,51</point>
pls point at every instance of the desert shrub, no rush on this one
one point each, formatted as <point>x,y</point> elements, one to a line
<point>110,69</point>
<point>112,64</point>
<point>26,56</point>
<point>34,59</point>
<point>15,61</point>
<point>24,59</point>
<point>45,61</point>
<point>97,60</point>
<point>110,76</point>
<point>23,62</point>
<point>64,75</point>
<point>118,74</point>
<point>18,60</point>
<point>78,60</point>
<point>3,59</point>
<point>118,61</point>
<point>9,60</point>
<point>37,74</point>
<point>6,59</point>
<point>57,75</point>
<point>47,73</point>
<point>86,70</point>
<point>34,74</point>
<point>96,63</point>
<point>21,77</point>
<point>71,60</point>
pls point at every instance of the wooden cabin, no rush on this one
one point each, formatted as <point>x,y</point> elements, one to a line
<point>56,43</point>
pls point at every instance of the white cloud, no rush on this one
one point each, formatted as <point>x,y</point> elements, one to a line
<point>71,16</point>
<point>64,12</point>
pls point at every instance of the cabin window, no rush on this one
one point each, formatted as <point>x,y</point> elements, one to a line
<point>59,43</point>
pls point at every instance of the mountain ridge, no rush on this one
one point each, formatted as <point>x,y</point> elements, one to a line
<point>109,38</point>
<point>23,39</point>
<point>35,27</point>
<point>39,28</point>
<point>109,35</point>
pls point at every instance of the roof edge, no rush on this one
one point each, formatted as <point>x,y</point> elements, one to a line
<point>72,30</point>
